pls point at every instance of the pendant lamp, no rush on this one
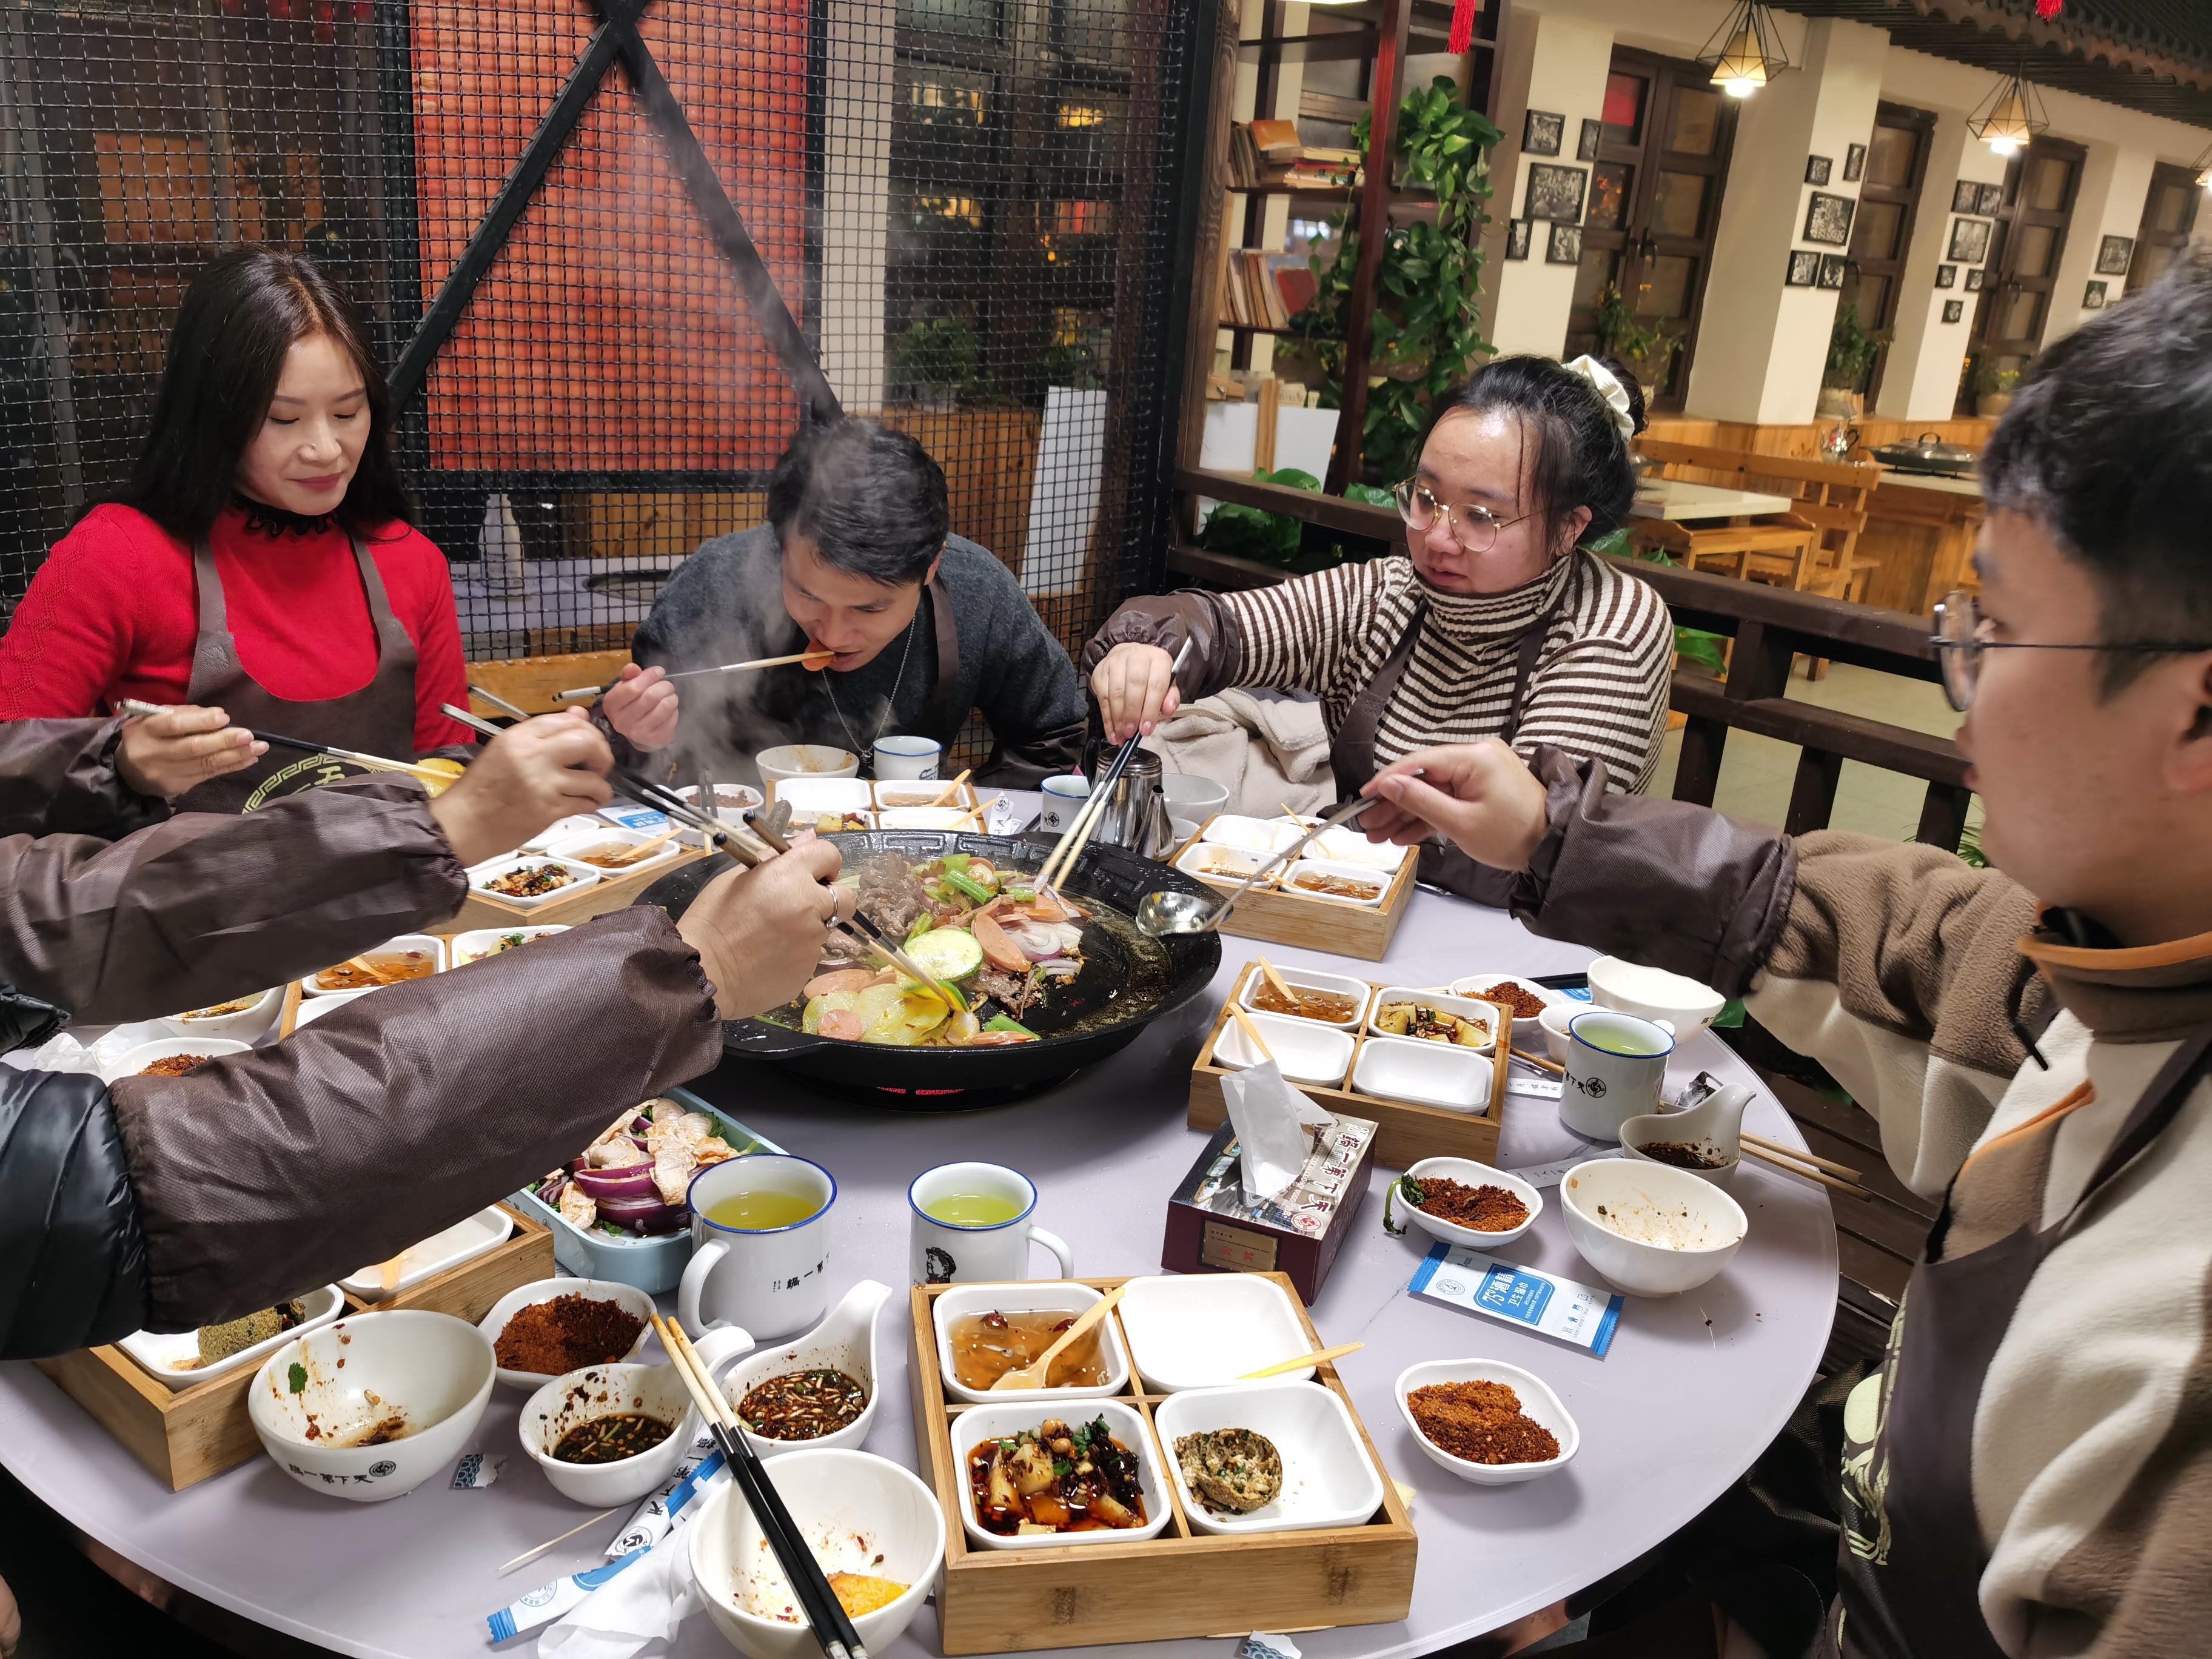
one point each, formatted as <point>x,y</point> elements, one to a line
<point>2012,116</point>
<point>1745,53</point>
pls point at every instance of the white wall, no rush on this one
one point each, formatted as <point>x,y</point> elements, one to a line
<point>856,164</point>
<point>1920,378</point>
<point>2115,187</point>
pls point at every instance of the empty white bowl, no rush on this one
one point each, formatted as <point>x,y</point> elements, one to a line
<point>576,1398</point>
<point>248,1023</point>
<point>174,1357</point>
<point>994,1422</point>
<point>599,842</point>
<point>1252,835</point>
<point>479,943</point>
<point>1181,831</point>
<point>1528,1031</point>
<point>1373,883</point>
<point>1469,1173</point>
<point>410,948</point>
<point>1344,844</point>
<point>809,761</point>
<point>1207,1330</point>
<point>1485,1015</point>
<point>1553,1020</point>
<point>1630,987</point>
<point>1189,795</point>
<point>1329,1480</point>
<point>428,1374</point>
<point>131,1061</point>
<point>581,875</point>
<point>628,1297</point>
<point>464,1240</point>
<point>1427,1074</point>
<point>858,1513</point>
<point>834,793</point>
<point>1306,978</point>
<point>1538,1403</point>
<point>1662,1230</point>
<point>1044,1295</point>
<point>1304,1050</point>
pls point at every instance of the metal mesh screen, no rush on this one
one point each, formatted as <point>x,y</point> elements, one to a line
<point>966,204</point>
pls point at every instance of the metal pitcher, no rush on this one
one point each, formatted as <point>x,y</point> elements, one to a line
<point>1135,816</point>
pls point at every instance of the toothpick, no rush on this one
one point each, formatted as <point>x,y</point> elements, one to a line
<point>531,1555</point>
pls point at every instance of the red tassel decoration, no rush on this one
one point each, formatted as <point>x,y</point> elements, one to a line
<point>2047,10</point>
<point>1463,24</point>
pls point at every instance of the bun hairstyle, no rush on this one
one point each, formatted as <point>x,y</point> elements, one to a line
<point>1577,456</point>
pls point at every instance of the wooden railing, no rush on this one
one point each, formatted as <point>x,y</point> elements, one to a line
<point>1770,627</point>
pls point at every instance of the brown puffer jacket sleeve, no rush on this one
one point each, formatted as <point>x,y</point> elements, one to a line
<point>207,906</point>
<point>1166,620</point>
<point>59,777</point>
<point>259,1175</point>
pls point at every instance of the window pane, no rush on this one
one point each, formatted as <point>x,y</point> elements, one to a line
<point>1693,122</point>
<point>1678,206</point>
<point>1611,185</point>
<point>2036,245</point>
<point>1878,231</point>
<point>1869,296</point>
<point>2049,178</point>
<point>1597,268</point>
<point>2173,207</point>
<point>2151,260</point>
<point>1625,97</point>
<point>2023,318</point>
<point>1665,291</point>
<point>1889,158</point>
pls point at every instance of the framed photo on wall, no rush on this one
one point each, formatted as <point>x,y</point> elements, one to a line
<point>1970,240</point>
<point>1566,244</point>
<point>2114,255</point>
<point>2094,299</point>
<point>1954,310</point>
<point>1804,268</point>
<point>1833,267</point>
<point>1854,163</point>
<point>1975,278</point>
<point>1828,219</point>
<point>1556,193</point>
<point>1966,197</point>
<point>1947,276</point>
<point>1593,130</point>
<point>1516,238</point>
<point>1991,197</point>
<point>1541,132</point>
<point>1817,168</point>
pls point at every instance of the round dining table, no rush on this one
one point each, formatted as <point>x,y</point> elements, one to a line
<point>1692,1389</point>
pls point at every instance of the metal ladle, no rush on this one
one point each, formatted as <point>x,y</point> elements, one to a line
<point>1164,914</point>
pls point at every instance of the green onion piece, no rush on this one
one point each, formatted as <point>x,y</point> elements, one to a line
<point>1008,1023</point>
<point>1021,894</point>
<point>962,883</point>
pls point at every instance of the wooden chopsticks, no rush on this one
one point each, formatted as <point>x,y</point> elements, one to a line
<point>1786,1158</point>
<point>825,1615</point>
<point>138,710</point>
<point>951,793</point>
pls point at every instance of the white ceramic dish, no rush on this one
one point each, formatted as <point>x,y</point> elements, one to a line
<point>1306,870</point>
<point>898,795</point>
<point>731,800</point>
<point>1252,835</point>
<point>312,1009</point>
<point>1207,1330</point>
<point>575,824</point>
<point>247,1023</point>
<point>1046,1296</point>
<point>996,1422</point>
<point>1190,796</point>
<point>479,943</point>
<point>1305,1050</point>
<point>858,1513</point>
<point>825,794</point>
<point>1344,844</point>
<point>131,1061</point>
<point>1553,1021</point>
<point>925,818</point>
<point>580,877</point>
<point>407,948</point>
<point>1469,1173</point>
<point>572,848</point>
<point>1652,1127</point>
<point>1680,1231</point>
<point>1538,1403</point>
<point>1528,1033</point>
<point>462,1242</point>
<point>1228,866</point>
<point>1306,978</point>
<point>1629,987</point>
<point>1427,1074</point>
<point>845,1340</point>
<point>172,1358</point>
<point>545,1290</point>
<point>808,761</point>
<point>1181,831</point>
<point>1329,1480</point>
<point>430,1370</point>
<point>570,1401</point>
<point>1486,1015</point>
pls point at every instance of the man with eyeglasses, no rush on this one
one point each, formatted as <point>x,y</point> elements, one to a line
<point>2030,1472</point>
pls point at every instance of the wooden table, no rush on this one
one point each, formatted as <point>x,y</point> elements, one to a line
<point>1680,502</point>
<point>1921,530</point>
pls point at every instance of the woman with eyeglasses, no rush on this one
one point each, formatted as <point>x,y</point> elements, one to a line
<point>1499,623</point>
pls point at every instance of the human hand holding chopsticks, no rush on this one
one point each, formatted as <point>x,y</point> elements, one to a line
<point>1135,686</point>
<point>759,933</point>
<point>642,705</point>
<point>1480,795</point>
<point>530,776</point>
<point>165,753</point>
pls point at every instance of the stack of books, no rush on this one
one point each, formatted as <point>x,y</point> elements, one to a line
<point>1265,290</point>
<point>1270,153</point>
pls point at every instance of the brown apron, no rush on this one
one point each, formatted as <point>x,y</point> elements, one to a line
<point>1352,752</point>
<point>939,711</point>
<point>377,719</point>
<point>1912,1559</point>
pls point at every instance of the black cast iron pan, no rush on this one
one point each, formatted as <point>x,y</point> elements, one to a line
<point>1114,877</point>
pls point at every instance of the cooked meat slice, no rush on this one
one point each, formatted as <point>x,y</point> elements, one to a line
<point>616,1154</point>
<point>577,1207</point>
<point>713,1150</point>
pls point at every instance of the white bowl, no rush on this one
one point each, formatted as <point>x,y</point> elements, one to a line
<point>1469,1173</point>
<point>1427,1074</point>
<point>1190,796</point>
<point>1306,978</point>
<point>582,876</point>
<point>1553,1020</point>
<point>810,795</point>
<point>312,1009</point>
<point>545,1290</point>
<point>995,1422</point>
<point>1526,1032</point>
<point>1344,844</point>
<point>173,1357</point>
<point>131,1061</point>
<point>1538,1403</point>
<point>1329,1479</point>
<point>1687,1228</point>
<point>897,794</point>
<point>245,1025</point>
<point>844,1339</point>
<point>432,1370</point>
<point>480,943</point>
<point>805,760</point>
<point>1046,1296</point>
<point>408,947</point>
<point>1252,835</point>
<point>1306,870</point>
<point>1629,987</point>
<point>925,818</point>
<point>1486,1015</point>
<point>1181,831</point>
<point>464,1240</point>
<point>1661,1126</point>
<point>858,1513</point>
<point>1227,867</point>
<point>578,1397</point>
<point>1207,1330</point>
<point>1305,1051</point>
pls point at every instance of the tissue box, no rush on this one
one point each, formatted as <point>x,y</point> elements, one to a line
<point>1213,1224</point>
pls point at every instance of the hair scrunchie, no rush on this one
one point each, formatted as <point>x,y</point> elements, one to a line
<point>1606,384</point>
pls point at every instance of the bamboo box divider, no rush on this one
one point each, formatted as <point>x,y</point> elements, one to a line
<point>1280,915</point>
<point>1405,1131</point>
<point>1181,1583</point>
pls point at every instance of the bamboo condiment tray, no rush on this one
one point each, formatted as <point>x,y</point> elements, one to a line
<point>1181,1583</point>
<point>184,1435</point>
<point>1405,1131</point>
<point>1281,915</point>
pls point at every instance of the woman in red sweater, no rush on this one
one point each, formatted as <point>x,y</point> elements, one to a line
<point>263,557</point>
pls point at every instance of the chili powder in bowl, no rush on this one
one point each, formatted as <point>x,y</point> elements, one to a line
<point>1463,1202</point>
<point>1485,1421</point>
<point>576,1320</point>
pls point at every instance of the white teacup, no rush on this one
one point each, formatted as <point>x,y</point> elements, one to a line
<point>1064,796</point>
<point>908,758</point>
<point>1615,1063</point>
<point>953,1253</point>
<point>771,1281</point>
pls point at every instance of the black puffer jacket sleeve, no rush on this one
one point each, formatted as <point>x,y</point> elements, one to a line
<point>72,1259</point>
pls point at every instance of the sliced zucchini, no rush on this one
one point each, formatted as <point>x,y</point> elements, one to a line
<point>951,953</point>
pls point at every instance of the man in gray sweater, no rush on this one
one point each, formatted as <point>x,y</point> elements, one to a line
<point>922,626</point>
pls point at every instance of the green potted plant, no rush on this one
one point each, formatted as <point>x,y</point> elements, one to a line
<point>1852,348</point>
<point>1648,349</point>
<point>1993,388</point>
<point>934,359</point>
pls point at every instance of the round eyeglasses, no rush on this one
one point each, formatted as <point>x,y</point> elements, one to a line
<point>1474,528</point>
<point>1959,645</point>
